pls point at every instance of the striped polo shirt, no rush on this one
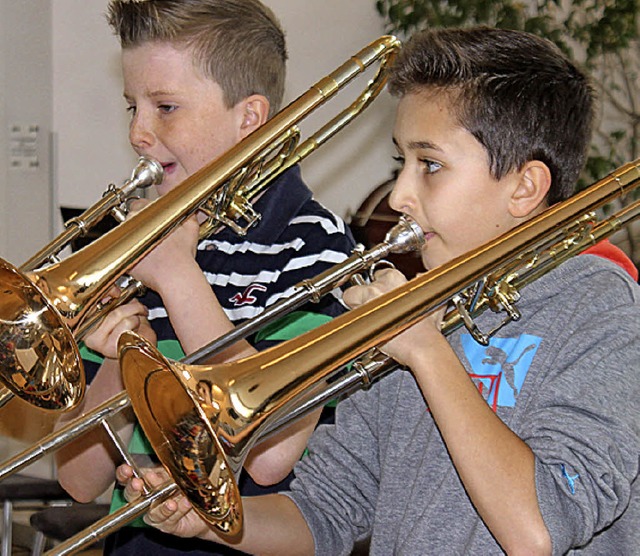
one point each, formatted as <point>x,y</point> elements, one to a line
<point>295,239</point>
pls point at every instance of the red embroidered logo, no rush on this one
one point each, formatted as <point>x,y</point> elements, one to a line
<point>247,297</point>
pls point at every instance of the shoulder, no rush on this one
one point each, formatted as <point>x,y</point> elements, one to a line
<point>316,215</point>
<point>603,282</point>
<point>586,303</point>
<point>318,226</point>
<point>591,278</point>
<point>592,305</point>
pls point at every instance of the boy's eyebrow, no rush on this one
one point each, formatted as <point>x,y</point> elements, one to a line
<point>417,145</point>
<point>152,94</point>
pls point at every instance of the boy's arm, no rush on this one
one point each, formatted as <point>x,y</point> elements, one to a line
<point>271,461</point>
<point>197,318</point>
<point>172,271</point>
<point>86,467</point>
<point>494,464</point>
<point>272,523</point>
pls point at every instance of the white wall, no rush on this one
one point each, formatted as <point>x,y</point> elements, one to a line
<point>4,161</point>
<point>25,100</point>
<point>321,36</point>
<point>25,173</point>
<point>91,123</point>
<point>89,115</point>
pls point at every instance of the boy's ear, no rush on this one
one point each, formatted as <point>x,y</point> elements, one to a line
<point>531,190</point>
<point>255,112</point>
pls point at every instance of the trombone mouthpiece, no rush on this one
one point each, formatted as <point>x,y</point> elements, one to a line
<point>406,236</point>
<point>147,172</point>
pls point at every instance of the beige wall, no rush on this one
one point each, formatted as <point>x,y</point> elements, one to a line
<point>25,101</point>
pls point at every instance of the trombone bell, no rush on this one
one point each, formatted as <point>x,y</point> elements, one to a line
<point>179,419</point>
<point>39,359</point>
<point>39,316</point>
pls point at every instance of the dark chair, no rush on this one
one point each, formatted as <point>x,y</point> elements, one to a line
<point>59,524</point>
<point>26,492</point>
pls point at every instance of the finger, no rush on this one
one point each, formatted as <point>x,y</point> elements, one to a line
<point>388,278</point>
<point>156,477</point>
<point>123,473</point>
<point>114,291</point>
<point>117,315</point>
<point>125,325</point>
<point>166,512</point>
<point>146,331</point>
<point>133,307</point>
<point>134,489</point>
<point>357,295</point>
<point>136,205</point>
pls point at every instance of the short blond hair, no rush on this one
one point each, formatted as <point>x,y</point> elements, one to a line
<point>237,43</point>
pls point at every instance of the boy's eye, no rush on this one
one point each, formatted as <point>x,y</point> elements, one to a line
<point>431,167</point>
<point>131,109</point>
<point>167,108</point>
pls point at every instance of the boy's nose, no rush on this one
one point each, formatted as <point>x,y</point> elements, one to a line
<point>402,198</point>
<point>141,134</point>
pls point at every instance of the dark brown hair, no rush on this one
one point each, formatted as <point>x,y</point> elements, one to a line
<point>519,96</point>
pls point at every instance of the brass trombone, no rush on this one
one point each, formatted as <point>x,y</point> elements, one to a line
<point>257,396</point>
<point>114,202</point>
<point>203,441</point>
<point>62,385</point>
<point>43,310</point>
<point>406,236</point>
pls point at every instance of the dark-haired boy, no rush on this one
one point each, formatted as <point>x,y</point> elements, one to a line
<point>529,445</point>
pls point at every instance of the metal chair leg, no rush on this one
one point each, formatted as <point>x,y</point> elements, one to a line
<point>39,542</point>
<point>7,525</point>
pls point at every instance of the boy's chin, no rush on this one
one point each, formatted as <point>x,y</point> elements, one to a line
<point>164,188</point>
<point>433,262</point>
<point>427,261</point>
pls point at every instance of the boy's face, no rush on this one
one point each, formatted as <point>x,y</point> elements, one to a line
<point>445,184</point>
<point>178,116</point>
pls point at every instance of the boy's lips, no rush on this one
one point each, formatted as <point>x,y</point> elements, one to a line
<point>169,168</point>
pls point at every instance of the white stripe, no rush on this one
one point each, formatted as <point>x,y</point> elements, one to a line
<point>327,256</point>
<point>246,312</point>
<point>269,277</point>
<point>157,313</point>
<point>328,225</point>
<point>249,247</point>
<point>242,280</point>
